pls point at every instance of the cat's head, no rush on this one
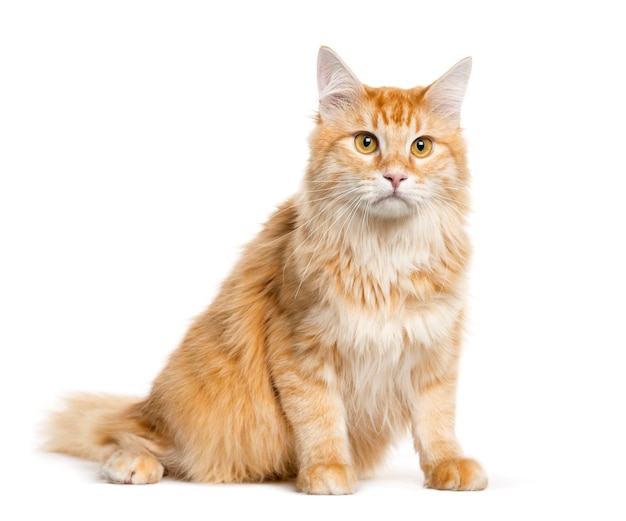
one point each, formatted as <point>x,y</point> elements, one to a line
<point>387,152</point>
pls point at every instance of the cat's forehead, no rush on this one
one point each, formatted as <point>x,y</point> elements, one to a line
<point>390,106</point>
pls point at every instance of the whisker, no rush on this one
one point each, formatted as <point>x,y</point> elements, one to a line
<point>338,215</point>
<point>333,199</point>
<point>338,197</point>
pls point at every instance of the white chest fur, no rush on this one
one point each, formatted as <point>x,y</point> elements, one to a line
<point>375,313</point>
<point>382,341</point>
<point>373,301</point>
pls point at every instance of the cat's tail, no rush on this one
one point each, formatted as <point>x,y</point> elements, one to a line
<point>92,427</point>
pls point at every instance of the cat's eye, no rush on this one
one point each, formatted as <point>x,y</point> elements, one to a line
<point>422,147</point>
<point>366,143</point>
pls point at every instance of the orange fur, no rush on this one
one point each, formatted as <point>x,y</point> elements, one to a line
<point>339,329</point>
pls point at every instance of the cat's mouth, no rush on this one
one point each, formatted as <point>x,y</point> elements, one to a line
<point>394,204</point>
<point>395,195</point>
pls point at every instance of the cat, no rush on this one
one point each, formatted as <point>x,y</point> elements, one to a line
<point>339,330</point>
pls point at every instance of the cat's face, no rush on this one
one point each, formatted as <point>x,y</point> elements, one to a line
<point>386,152</point>
<point>388,157</point>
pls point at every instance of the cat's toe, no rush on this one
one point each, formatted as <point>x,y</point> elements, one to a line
<point>457,474</point>
<point>328,478</point>
<point>136,468</point>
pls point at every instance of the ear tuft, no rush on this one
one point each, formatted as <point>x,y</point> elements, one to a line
<point>337,85</point>
<point>445,96</point>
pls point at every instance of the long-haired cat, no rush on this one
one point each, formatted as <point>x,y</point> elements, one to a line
<point>338,331</point>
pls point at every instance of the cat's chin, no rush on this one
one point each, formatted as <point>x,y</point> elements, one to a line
<point>391,207</point>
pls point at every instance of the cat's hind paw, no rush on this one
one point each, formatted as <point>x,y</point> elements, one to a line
<point>457,474</point>
<point>327,478</point>
<point>132,467</point>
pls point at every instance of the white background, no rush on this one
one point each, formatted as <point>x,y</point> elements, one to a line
<point>142,143</point>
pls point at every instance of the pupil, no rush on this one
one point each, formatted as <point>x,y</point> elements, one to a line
<point>367,141</point>
<point>420,145</point>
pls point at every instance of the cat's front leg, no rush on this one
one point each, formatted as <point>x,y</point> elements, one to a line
<point>316,414</point>
<point>441,456</point>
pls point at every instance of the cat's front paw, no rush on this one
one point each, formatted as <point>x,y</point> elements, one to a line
<point>327,478</point>
<point>456,474</point>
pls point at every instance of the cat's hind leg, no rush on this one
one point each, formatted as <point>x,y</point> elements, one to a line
<point>133,461</point>
<point>134,466</point>
<point>110,430</point>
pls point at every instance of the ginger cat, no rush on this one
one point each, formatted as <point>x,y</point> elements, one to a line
<point>340,328</point>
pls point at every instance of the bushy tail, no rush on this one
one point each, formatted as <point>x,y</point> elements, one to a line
<point>92,426</point>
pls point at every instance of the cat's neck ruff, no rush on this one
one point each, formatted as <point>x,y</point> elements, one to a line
<point>377,265</point>
<point>407,243</point>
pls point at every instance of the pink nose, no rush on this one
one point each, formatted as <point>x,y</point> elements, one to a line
<point>395,179</point>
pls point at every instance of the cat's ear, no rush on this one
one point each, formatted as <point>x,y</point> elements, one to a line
<point>337,85</point>
<point>445,96</point>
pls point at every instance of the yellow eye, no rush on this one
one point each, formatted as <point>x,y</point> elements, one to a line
<point>366,143</point>
<point>422,147</point>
